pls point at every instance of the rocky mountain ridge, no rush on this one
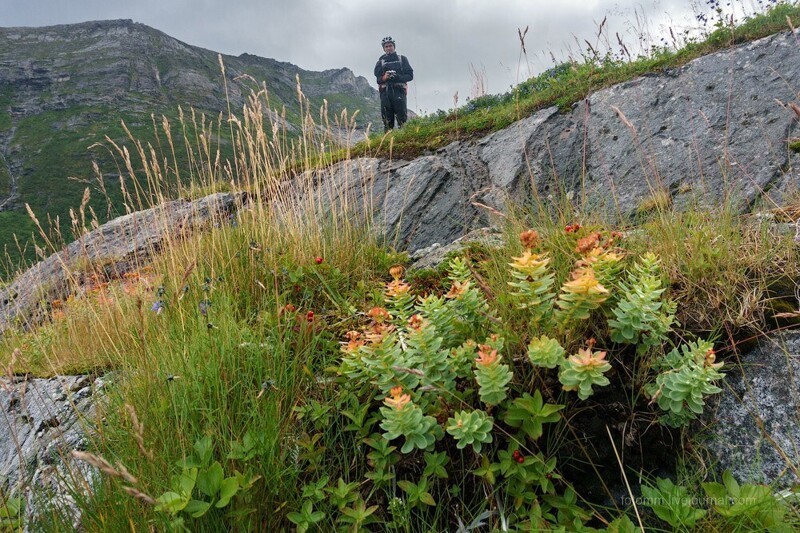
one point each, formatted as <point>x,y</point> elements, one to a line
<point>110,62</point>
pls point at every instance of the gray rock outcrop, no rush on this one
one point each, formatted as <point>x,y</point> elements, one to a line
<point>755,426</point>
<point>434,255</point>
<point>713,130</point>
<point>42,421</point>
<point>117,247</point>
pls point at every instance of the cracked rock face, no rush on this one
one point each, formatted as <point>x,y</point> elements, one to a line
<point>42,421</point>
<point>711,128</point>
<point>755,427</point>
<point>714,129</point>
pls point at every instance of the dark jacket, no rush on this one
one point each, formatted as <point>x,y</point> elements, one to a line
<point>396,62</point>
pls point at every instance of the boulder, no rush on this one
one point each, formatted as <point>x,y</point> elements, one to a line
<point>754,427</point>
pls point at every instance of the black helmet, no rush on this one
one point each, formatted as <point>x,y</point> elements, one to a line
<point>386,40</point>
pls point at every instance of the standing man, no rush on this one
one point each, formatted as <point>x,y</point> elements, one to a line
<point>393,73</point>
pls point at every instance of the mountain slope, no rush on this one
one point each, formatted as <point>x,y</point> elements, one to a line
<point>62,88</point>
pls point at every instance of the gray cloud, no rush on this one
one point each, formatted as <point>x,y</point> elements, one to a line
<point>447,42</point>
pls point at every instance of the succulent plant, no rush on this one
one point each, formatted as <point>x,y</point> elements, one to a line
<point>580,372</point>
<point>640,316</point>
<point>472,427</point>
<point>545,352</point>
<point>687,377</point>
<point>402,418</point>
<point>533,284</point>
<point>580,296</point>
<point>492,376</point>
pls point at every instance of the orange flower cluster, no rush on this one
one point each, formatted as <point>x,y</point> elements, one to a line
<point>486,355</point>
<point>588,243</point>
<point>354,342</point>
<point>586,358</point>
<point>96,284</point>
<point>457,289</point>
<point>398,399</point>
<point>529,238</point>
<point>377,332</point>
<point>592,242</point>
<point>416,322</point>
<point>379,314</point>
<point>396,288</point>
<point>397,272</point>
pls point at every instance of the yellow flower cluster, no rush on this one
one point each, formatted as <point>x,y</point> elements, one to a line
<point>585,282</point>
<point>528,262</point>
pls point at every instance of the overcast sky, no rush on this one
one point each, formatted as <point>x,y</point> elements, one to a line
<point>454,46</point>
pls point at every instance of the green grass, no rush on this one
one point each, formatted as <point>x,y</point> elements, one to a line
<point>187,380</point>
<point>249,341</point>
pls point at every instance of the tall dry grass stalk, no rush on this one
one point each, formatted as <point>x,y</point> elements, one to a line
<point>138,431</point>
<point>105,467</point>
<point>290,201</point>
<point>119,471</point>
<point>295,211</point>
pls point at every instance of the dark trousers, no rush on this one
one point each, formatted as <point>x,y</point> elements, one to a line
<point>393,106</point>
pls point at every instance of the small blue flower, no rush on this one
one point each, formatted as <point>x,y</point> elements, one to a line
<point>158,306</point>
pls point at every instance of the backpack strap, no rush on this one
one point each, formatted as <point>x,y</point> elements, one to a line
<point>383,61</point>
